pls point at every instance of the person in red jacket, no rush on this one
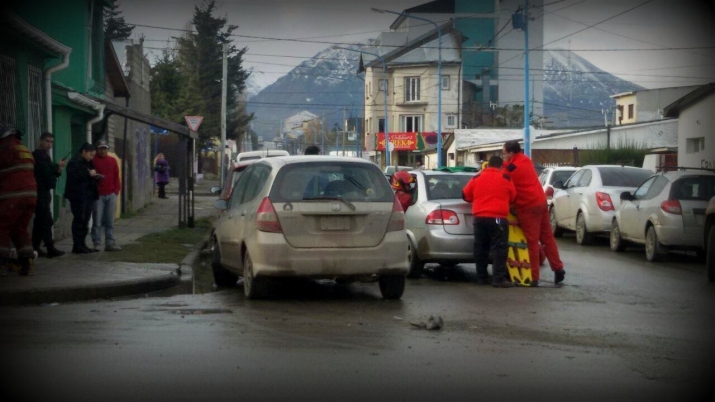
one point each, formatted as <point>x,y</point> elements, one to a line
<point>403,183</point>
<point>490,193</point>
<point>532,212</point>
<point>18,197</point>
<point>106,206</point>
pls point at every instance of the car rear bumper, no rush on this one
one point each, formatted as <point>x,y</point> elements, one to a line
<point>600,221</point>
<point>437,245</point>
<point>272,256</point>
<point>674,236</point>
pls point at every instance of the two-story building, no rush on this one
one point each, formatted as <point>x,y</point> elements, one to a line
<point>647,104</point>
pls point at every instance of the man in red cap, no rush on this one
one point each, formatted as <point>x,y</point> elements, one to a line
<point>106,206</point>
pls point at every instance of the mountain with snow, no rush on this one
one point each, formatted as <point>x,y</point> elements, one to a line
<point>576,93</point>
<point>253,87</point>
<point>326,85</point>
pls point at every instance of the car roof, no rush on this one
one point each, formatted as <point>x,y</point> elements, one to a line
<point>285,160</point>
<point>442,173</point>
<point>555,168</point>
<point>612,166</point>
<point>683,173</point>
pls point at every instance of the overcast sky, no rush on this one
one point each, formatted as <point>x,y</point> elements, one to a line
<point>652,24</point>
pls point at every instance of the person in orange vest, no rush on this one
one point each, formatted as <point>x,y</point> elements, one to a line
<point>532,211</point>
<point>491,192</point>
<point>18,197</point>
<point>404,185</point>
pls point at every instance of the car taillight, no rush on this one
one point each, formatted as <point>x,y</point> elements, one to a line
<point>604,201</point>
<point>442,217</point>
<point>266,217</point>
<point>671,206</point>
<point>397,217</point>
<point>549,192</point>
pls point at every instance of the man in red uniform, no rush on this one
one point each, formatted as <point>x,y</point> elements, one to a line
<point>531,210</point>
<point>18,196</point>
<point>106,206</point>
<point>490,193</point>
<point>403,184</point>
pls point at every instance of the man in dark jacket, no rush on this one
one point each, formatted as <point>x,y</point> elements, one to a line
<point>46,174</point>
<point>82,192</point>
<point>18,196</point>
<point>490,193</point>
<point>532,211</point>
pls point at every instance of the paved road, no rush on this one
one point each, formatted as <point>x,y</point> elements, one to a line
<point>621,329</point>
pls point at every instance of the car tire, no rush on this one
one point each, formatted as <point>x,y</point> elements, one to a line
<point>617,243</point>
<point>416,265</point>
<point>583,238</point>
<point>653,249</point>
<point>710,259</point>
<point>555,229</point>
<point>253,288</point>
<point>221,276</point>
<point>392,286</point>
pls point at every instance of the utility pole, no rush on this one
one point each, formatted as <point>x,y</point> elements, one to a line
<point>527,129</point>
<point>345,123</point>
<point>322,135</point>
<point>223,112</point>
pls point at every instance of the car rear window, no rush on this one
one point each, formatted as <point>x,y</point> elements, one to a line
<point>561,175</point>
<point>441,187</point>
<point>358,182</point>
<point>693,188</point>
<point>617,176</point>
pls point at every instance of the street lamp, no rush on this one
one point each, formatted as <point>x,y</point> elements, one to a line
<point>384,77</point>
<point>439,77</point>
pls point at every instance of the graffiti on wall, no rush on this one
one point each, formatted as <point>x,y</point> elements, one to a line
<point>141,136</point>
<point>706,164</point>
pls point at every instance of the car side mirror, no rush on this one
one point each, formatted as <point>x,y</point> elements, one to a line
<point>220,204</point>
<point>215,190</point>
<point>559,184</point>
<point>626,196</point>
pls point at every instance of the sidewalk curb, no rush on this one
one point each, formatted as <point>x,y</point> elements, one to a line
<point>186,267</point>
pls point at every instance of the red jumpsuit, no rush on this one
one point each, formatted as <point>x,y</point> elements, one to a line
<point>532,212</point>
<point>18,196</point>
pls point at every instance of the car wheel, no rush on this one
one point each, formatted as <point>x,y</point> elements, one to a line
<point>617,242</point>
<point>221,276</point>
<point>653,250</point>
<point>253,288</point>
<point>710,259</point>
<point>555,229</point>
<point>582,236</point>
<point>416,266</point>
<point>392,286</point>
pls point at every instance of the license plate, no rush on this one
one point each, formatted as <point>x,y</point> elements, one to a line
<point>335,223</point>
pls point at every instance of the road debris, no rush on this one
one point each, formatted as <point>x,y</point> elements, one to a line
<point>431,324</point>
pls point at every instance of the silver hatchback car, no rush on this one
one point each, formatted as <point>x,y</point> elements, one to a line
<point>438,222</point>
<point>666,212</point>
<point>311,216</point>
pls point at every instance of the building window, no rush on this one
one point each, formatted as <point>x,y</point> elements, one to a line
<point>451,120</point>
<point>410,124</point>
<point>445,82</point>
<point>630,111</point>
<point>34,127</point>
<point>412,89</point>
<point>7,91</point>
<point>693,145</point>
<point>380,125</point>
<point>383,85</point>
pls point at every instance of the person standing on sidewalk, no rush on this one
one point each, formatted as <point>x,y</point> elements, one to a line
<point>81,191</point>
<point>46,174</point>
<point>18,197</point>
<point>532,211</point>
<point>106,206</point>
<point>491,192</point>
<point>161,174</point>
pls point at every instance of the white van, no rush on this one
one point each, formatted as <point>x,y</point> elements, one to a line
<point>267,153</point>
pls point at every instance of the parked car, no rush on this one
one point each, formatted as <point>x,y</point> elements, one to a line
<point>231,180</point>
<point>709,239</point>
<point>311,216</point>
<point>588,200</point>
<point>267,153</point>
<point>666,212</point>
<point>551,175</point>
<point>390,170</point>
<point>438,222</point>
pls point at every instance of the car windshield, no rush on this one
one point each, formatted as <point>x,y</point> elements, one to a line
<point>617,176</point>
<point>356,182</point>
<point>441,187</point>
<point>561,175</point>
<point>693,188</point>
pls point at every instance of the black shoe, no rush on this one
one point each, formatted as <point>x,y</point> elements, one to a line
<point>53,252</point>
<point>40,253</point>
<point>503,284</point>
<point>534,284</point>
<point>559,275</point>
<point>80,250</point>
<point>484,281</point>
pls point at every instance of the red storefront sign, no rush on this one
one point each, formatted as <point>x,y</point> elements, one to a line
<point>401,141</point>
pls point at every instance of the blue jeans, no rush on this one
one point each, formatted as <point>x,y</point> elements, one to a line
<point>103,216</point>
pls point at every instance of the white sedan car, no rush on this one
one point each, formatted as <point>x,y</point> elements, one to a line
<point>588,200</point>
<point>551,175</point>
<point>666,212</point>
